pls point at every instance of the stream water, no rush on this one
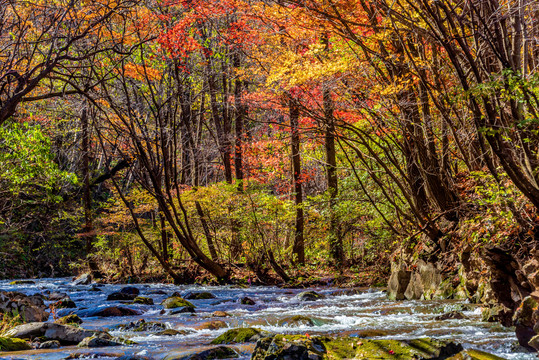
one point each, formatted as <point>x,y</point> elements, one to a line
<point>348,313</point>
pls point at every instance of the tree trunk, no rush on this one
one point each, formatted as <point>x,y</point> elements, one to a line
<point>298,249</point>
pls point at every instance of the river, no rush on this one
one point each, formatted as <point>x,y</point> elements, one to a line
<point>348,313</point>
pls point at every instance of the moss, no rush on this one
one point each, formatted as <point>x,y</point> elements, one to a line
<point>176,302</point>
<point>72,319</point>
<point>12,344</point>
<point>143,300</point>
<point>474,355</point>
<point>239,335</point>
<point>353,348</point>
<point>22,282</point>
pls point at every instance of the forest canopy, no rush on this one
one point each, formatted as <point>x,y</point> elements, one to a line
<point>280,137</point>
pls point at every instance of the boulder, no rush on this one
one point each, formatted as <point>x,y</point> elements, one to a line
<point>133,357</point>
<point>65,303</point>
<point>130,290</point>
<point>30,308</point>
<point>10,344</point>
<point>173,332</point>
<point>176,302</point>
<point>474,355</point>
<point>220,314</point>
<point>296,320</point>
<point>72,319</point>
<point>142,325</point>
<point>51,344</point>
<point>309,296</point>
<point>100,340</point>
<point>212,325</point>
<point>119,296</point>
<point>143,300</point>
<point>84,279</point>
<point>452,315</point>
<point>398,282</point>
<point>182,310</point>
<point>241,335</point>
<point>247,301</point>
<point>199,296</point>
<point>65,334</point>
<point>220,352</point>
<point>525,320</point>
<point>110,312</point>
<point>292,347</point>
<point>55,296</point>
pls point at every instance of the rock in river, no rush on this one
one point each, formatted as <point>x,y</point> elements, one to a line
<point>120,296</point>
<point>9,344</point>
<point>241,335</point>
<point>310,296</point>
<point>65,334</point>
<point>110,311</point>
<point>176,302</point>
<point>292,347</point>
<point>199,296</point>
<point>220,352</point>
<point>31,308</point>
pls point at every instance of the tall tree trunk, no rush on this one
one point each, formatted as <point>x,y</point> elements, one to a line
<point>335,240</point>
<point>298,249</point>
<point>87,196</point>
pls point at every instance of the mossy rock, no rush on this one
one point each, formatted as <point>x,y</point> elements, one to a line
<point>176,302</point>
<point>142,325</point>
<point>310,296</point>
<point>200,296</point>
<point>474,355</point>
<point>173,332</point>
<point>22,282</point>
<point>72,319</point>
<point>323,347</point>
<point>13,344</point>
<point>240,335</point>
<point>143,300</point>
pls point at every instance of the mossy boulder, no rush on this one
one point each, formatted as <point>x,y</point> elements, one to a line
<point>241,335</point>
<point>174,302</point>
<point>200,296</point>
<point>143,300</point>
<point>474,355</point>
<point>72,319</point>
<point>310,296</point>
<point>322,347</point>
<point>12,344</point>
<point>142,325</point>
<point>220,352</point>
<point>103,340</point>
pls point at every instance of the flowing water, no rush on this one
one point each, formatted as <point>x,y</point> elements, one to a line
<point>349,313</point>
